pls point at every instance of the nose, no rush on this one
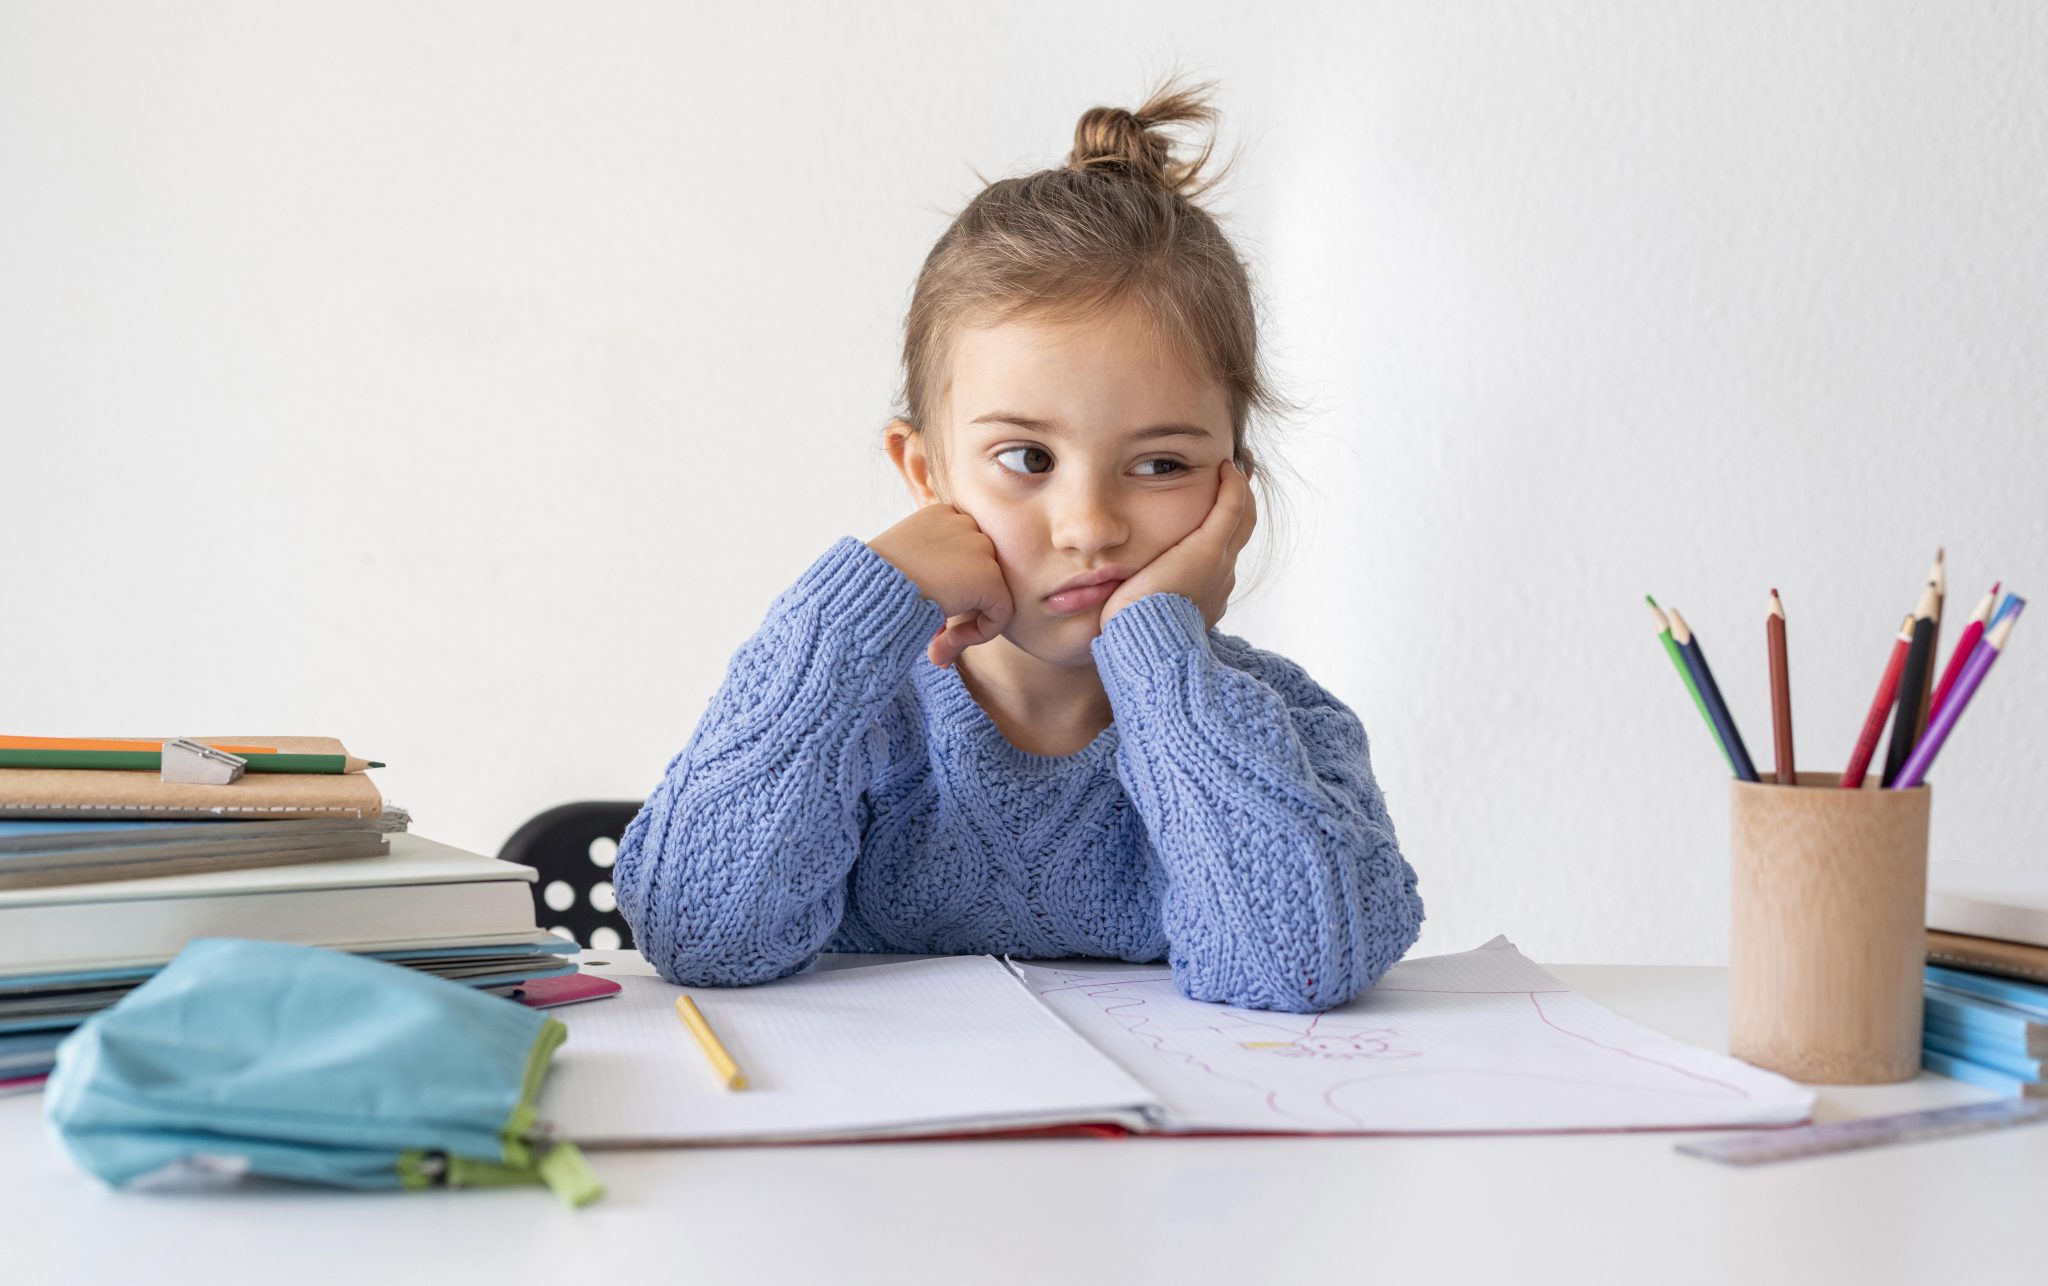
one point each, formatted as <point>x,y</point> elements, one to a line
<point>1087,515</point>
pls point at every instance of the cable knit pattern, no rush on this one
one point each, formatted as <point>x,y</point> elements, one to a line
<point>841,793</point>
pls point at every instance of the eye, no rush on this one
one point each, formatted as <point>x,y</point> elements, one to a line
<point>1178,467</point>
<point>1025,459</point>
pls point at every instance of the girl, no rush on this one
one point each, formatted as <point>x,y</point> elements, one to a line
<point>1008,723</point>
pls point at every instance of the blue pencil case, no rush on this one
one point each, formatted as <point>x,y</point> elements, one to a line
<point>302,1063</point>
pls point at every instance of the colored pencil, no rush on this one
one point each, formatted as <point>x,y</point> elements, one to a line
<point>1678,663</point>
<point>153,761</point>
<point>1980,663</point>
<point>1717,709</point>
<point>1964,646</point>
<point>2013,603</point>
<point>1938,577</point>
<point>102,743</point>
<point>1880,707</point>
<point>1906,722</point>
<point>721,1062</point>
<point>1781,692</point>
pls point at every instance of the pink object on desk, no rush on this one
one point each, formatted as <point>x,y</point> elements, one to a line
<point>565,989</point>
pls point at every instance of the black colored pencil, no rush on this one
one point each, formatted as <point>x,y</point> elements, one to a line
<point>1919,659</point>
<point>1938,577</point>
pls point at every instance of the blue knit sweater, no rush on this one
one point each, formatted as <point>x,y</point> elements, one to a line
<point>842,793</point>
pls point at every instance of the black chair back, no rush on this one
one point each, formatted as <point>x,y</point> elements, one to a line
<point>573,847</point>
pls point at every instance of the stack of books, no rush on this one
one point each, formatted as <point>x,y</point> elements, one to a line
<point>107,872</point>
<point>1986,991</point>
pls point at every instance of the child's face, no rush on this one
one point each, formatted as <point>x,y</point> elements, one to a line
<point>1078,490</point>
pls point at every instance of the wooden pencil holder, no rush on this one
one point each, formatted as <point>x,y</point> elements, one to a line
<point>1828,928</point>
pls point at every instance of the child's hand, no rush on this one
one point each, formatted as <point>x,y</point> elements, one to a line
<point>953,563</point>
<point>1203,566</point>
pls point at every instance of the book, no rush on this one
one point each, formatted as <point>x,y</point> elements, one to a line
<point>35,1005</point>
<point>18,835</point>
<point>2006,903</point>
<point>1481,1041</point>
<point>67,793</point>
<point>1987,1022</point>
<point>2029,998</point>
<point>420,890</point>
<point>132,862</point>
<point>1988,955</point>
<point>1998,1060</point>
<point>1990,1078</point>
<point>28,1054</point>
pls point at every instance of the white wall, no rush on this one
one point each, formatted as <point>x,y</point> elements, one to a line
<point>506,359</point>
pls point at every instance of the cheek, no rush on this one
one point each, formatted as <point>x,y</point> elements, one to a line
<point>1019,541</point>
<point>1178,514</point>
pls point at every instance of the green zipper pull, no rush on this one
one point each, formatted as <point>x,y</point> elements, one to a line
<point>569,1176</point>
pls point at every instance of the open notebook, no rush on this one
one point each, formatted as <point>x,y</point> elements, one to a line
<point>1478,1042</point>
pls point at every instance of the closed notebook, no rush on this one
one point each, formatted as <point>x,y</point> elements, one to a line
<point>52,837</point>
<point>32,1004</point>
<point>94,866</point>
<point>2008,903</point>
<point>1987,955</point>
<point>420,890</point>
<point>1979,1020</point>
<point>58,793</point>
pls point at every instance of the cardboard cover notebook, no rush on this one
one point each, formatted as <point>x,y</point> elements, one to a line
<point>57,793</point>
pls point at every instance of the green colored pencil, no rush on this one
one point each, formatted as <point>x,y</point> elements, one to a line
<point>1678,663</point>
<point>153,761</point>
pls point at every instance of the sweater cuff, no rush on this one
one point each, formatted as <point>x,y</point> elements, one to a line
<point>863,595</point>
<point>1160,628</point>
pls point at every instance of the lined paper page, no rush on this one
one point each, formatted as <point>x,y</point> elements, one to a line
<point>1480,1041</point>
<point>925,1046</point>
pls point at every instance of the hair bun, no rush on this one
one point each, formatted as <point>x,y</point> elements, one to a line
<point>1119,141</point>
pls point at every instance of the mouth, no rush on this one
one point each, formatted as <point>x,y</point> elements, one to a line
<point>1089,589</point>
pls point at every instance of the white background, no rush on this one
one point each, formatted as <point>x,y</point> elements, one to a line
<point>464,380</point>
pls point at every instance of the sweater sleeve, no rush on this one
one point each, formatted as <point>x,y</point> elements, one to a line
<point>734,871</point>
<point>1285,887</point>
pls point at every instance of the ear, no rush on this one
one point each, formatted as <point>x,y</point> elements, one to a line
<point>907,449</point>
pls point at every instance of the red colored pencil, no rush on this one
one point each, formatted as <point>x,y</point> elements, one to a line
<point>1964,645</point>
<point>1880,707</point>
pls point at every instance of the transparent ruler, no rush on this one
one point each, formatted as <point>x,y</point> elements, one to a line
<point>1767,1146</point>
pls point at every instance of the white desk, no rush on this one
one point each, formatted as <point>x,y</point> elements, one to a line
<point>1583,1209</point>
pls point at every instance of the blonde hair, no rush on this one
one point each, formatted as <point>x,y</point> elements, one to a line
<point>1116,224</point>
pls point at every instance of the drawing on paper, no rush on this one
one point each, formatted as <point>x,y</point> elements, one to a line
<point>1335,1042</point>
<point>1351,1067</point>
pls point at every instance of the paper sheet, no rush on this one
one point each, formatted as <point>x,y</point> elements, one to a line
<point>1480,1041</point>
<point>925,1046</point>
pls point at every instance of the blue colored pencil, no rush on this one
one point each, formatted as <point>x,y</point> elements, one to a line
<point>2013,603</point>
<point>1717,709</point>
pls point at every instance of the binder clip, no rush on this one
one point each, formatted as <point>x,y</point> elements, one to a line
<point>195,764</point>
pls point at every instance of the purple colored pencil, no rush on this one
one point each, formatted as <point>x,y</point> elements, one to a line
<point>1987,650</point>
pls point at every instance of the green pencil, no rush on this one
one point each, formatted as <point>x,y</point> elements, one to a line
<point>1678,662</point>
<point>153,761</point>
